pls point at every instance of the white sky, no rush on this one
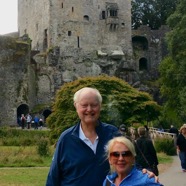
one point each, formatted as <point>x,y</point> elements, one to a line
<point>8,16</point>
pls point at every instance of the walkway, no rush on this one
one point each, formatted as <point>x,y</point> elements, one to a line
<point>174,175</point>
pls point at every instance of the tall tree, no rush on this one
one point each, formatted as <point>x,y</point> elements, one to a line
<point>173,67</point>
<point>152,12</point>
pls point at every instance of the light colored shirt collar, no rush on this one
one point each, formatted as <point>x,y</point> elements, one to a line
<point>82,136</point>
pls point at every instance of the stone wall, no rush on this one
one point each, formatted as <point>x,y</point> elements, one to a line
<point>61,41</point>
<point>76,24</point>
<point>14,63</point>
<point>76,38</point>
<point>34,20</point>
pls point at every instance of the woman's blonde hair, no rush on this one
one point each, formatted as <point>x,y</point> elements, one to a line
<point>182,127</point>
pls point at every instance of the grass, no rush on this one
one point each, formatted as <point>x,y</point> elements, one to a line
<point>23,157</point>
<point>164,159</point>
<point>20,163</point>
<point>38,167</point>
<point>165,162</point>
<point>22,166</point>
<point>23,176</point>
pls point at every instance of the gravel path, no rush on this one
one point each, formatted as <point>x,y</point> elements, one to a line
<point>173,176</point>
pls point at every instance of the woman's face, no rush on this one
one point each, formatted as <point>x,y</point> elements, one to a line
<point>88,108</point>
<point>183,131</point>
<point>121,159</point>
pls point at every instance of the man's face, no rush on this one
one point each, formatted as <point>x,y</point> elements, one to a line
<point>88,107</point>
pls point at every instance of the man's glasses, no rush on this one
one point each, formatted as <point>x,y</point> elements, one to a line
<point>123,154</point>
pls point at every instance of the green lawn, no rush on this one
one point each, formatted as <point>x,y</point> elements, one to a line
<point>22,166</point>
<point>35,176</point>
<point>31,176</point>
<point>11,156</point>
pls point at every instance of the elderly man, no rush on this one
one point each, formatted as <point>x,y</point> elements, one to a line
<point>79,157</point>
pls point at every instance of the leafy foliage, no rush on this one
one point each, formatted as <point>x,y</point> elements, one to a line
<point>121,104</point>
<point>15,137</point>
<point>43,147</point>
<point>152,12</point>
<point>173,67</point>
<point>165,145</point>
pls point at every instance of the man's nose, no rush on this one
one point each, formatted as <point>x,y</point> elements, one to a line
<point>89,107</point>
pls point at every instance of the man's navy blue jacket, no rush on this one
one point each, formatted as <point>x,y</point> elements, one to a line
<point>75,164</point>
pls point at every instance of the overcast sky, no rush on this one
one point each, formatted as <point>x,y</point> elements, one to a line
<point>8,16</point>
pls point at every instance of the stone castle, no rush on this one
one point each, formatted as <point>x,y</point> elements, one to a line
<point>59,41</point>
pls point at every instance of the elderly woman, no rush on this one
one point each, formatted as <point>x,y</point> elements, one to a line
<point>121,155</point>
<point>79,157</point>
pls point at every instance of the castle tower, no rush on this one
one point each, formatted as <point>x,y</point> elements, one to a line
<point>76,38</point>
<point>85,24</point>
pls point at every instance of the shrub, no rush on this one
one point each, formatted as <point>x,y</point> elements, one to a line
<point>165,145</point>
<point>43,148</point>
<point>16,137</point>
<point>121,104</point>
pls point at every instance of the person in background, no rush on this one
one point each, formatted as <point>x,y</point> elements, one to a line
<point>161,129</point>
<point>147,132</point>
<point>23,119</point>
<point>123,130</point>
<point>146,156</point>
<point>121,154</point>
<point>181,147</point>
<point>36,122</point>
<point>173,130</point>
<point>79,156</point>
<point>28,120</point>
<point>19,121</point>
<point>41,123</point>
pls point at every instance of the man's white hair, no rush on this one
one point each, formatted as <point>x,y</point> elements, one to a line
<point>78,93</point>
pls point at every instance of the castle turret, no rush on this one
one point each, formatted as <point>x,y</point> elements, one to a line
<point>85,24</point>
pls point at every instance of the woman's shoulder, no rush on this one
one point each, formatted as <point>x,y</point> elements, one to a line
<point>143,179</point>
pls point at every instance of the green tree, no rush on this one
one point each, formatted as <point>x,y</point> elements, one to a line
<point>152,12</point>
<point>121,104</point>
<point>173,67</point>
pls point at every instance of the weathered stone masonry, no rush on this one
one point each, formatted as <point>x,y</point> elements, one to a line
<point>68,39</point>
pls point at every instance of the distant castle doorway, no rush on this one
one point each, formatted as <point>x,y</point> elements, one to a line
<point>22,109</point>
<point>46,113</point>
<point>143,64</point>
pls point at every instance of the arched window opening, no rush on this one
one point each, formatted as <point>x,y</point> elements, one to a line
<point>22,109</point>
<point>143,64</point>
<point>69,33</point>
<point>140,43</point>
<point>103,15</point>
<point>86,17</point>
<point>46,113</point>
